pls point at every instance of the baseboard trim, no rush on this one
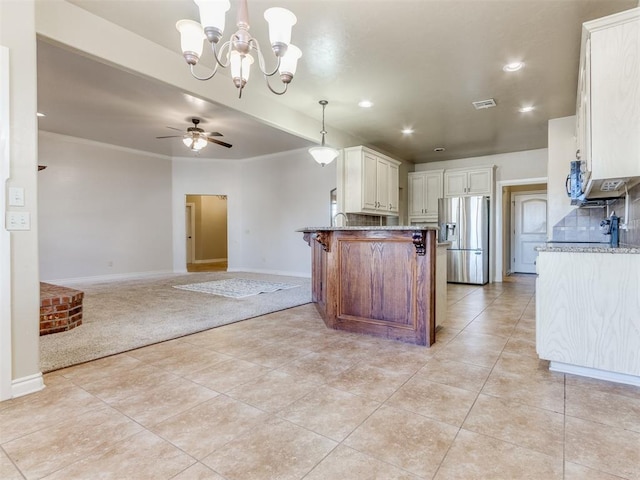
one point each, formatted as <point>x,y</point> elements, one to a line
<point>26,385</point>
<point>594,373</point>
<point>110,278</point>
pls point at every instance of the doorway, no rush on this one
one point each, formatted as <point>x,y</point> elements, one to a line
<point>206,233</point>
<point>529,220</point>
<point>501,244</point>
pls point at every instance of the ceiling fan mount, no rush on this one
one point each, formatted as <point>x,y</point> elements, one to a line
<point>195,138</point>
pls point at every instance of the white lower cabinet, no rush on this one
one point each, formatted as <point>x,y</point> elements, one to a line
<point>425,188</point>
<point>588,314</point>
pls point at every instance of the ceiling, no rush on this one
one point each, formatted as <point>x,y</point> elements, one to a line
<point>421,62</point>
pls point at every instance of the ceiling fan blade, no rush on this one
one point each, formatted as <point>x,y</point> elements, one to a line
<point>213,134</point>
<point>171,136</point>
<point>178,129</point>
<point>213,140</point>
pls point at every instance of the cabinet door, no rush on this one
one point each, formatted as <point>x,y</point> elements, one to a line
<point>394,188</point>
<point>479,182</point>
<point>369,182</point>
<point>433,191</point>
<point>417,194</point>
<point>382,185</point>
<point>615,96</point>
<point>455,184</point>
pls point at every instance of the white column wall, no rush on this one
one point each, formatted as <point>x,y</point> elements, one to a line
<point>17,33</point>
<point>562,150</point>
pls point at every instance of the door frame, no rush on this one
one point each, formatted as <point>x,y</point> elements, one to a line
<point>499,225</point>
<point>512,231</point>
<point>192,222</point>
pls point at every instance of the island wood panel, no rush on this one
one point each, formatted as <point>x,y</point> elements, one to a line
<point>376,282</point>
<point>588,310</point>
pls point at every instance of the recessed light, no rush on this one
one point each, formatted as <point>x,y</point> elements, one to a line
<point>407,131</point>
<point>513,67</point>
<point>439,149</point>
<point>526,109</point>
<point>40,114</point>
<point>365,104</point>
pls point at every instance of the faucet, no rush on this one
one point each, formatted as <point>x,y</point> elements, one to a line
<point>346,219</point>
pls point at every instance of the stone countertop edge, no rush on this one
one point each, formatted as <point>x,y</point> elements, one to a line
<point>368,228</point>
<point>599,249</point>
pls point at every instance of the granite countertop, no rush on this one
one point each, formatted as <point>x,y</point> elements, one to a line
<point>578,247</point>
<point>369,228</point>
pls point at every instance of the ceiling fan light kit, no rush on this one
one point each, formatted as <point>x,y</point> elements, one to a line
<point>196,138</point>
<point>323,154</point>
<point>235,52</point>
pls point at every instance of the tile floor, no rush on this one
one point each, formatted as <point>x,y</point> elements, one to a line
<point>281,396</point>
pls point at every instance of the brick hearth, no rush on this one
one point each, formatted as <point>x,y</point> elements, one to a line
<point>60,308</point>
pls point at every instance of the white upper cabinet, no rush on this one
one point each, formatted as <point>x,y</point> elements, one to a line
<point>425,188</point>
<point>608,103</point>
<point>466,182</point>
<point>370,182</point>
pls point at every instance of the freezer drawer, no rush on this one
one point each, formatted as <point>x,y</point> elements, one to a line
<point>467,266</point>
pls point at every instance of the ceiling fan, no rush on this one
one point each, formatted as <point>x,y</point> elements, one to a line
<point>196,138</point>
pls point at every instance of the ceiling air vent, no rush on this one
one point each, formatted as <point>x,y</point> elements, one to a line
<point>480,104</point>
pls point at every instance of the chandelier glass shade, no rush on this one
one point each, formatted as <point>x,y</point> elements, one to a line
<point>236,52</point>
<point>323,154</point>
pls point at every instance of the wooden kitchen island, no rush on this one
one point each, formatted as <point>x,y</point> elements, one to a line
<point>376,280</point>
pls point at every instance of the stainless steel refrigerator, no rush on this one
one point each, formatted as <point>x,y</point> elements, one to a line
<point>464,221</point>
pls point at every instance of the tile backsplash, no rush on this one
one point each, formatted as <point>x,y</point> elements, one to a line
<point>631,236</point>
<point>583,224</point>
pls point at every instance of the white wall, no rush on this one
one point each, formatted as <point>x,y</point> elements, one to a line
<point>268,198</point>
<point>282,193</point>
<point>103,210</point>
<point>562,150</point>
<point>510,166</point>
<point>205,177</point>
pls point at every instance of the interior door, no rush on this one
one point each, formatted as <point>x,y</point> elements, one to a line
<point>530,230</point>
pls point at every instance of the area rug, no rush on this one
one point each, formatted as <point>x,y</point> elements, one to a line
<point>236,287</point>
<point>123,315</point>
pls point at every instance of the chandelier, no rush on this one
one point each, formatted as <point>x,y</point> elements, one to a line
<point>322,154</point>
<point>235,52</point>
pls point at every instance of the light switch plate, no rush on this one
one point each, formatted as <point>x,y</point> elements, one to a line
<point>18,221</point>
<point>16,196</point>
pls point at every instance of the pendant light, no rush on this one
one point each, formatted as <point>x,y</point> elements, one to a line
<point>322,154</point>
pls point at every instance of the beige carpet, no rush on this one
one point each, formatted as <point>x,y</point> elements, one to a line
<point>121,316</point>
